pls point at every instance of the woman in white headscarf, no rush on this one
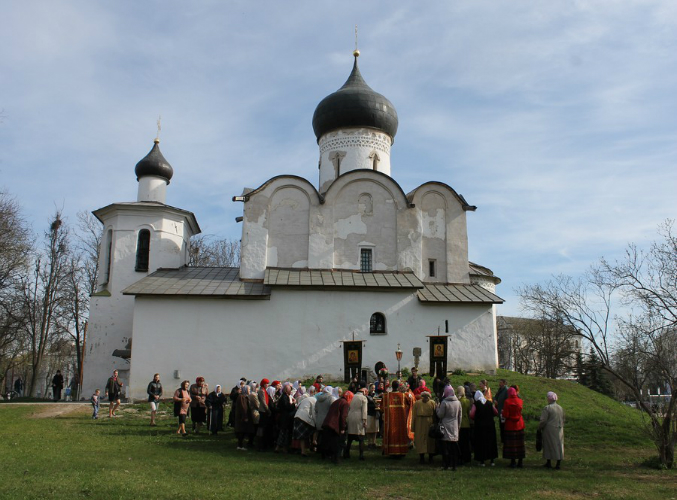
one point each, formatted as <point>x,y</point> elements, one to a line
<point>483,413</point>
<point>552,427</point>
<point>216,401</point>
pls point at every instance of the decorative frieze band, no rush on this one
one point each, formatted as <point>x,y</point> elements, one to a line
<point>343,140</point>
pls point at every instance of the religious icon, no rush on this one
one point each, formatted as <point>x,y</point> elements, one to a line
<point>438,350</point>
<point>353,357</point>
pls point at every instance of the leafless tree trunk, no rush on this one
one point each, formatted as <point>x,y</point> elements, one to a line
<point>42,296</point>
<point>214,253</point>
<point>646,283</point>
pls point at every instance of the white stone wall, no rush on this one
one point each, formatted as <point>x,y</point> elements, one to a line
<point>285,225</point>
<point>152,188</point>
<point>296,334</point>
<point>110,317</point>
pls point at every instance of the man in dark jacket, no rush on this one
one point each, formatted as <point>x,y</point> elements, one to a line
<point>57,385</point>
<point>414,379</point>
<point>499,399</point>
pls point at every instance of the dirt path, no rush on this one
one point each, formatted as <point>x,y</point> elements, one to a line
<point>51,410</point>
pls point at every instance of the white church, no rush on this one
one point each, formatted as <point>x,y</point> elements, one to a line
<point>351,258</point>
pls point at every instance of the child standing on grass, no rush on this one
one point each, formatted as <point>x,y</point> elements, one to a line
<point>95,404</point>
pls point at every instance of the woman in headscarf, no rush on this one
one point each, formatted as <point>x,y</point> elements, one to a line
<point>234,393</point>
<point>423,412</point>
<point>483,413</point>
<point>286,407</point>
<point>253,411</point>
<point>449,413</point>
<point>420,389</point>
<point>324,401</point>
<point>334,428</point>
<point>357,420</point>
<point>464,435</point>
<point>552,427</point>
<point>181,405</point>
<point>198,406</point>
<point>215,404</point>
<point>300,394</point>
<point>304,422</point>
<point>513,431</point>
<point>244,427</point>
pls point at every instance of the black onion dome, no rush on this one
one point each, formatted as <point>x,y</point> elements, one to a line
<point>154,164</point>
<point>355,105</point>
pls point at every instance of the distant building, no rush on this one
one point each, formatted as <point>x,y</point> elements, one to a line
<point>537,347</point>
<point>353,255</point>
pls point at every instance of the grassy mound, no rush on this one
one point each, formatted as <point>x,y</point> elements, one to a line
<point>72,456</point>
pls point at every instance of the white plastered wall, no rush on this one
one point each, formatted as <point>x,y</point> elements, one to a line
<point>296,334</point>
<point>110,316</point>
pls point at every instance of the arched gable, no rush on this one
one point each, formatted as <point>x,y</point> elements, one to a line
<point>445,190</point>
<point>361,175</point>
<point>284,180</point>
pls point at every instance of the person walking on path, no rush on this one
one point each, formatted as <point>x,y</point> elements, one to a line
<point>154,394</point>
<point>552,427</point>
<point>182,405</point>
<point>19,387</point>
<point>57,385</point>
<point>95,400</point>
<point>113,391</point>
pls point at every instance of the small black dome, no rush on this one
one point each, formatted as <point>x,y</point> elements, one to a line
<point>355,105</point>
<point>154,164</point>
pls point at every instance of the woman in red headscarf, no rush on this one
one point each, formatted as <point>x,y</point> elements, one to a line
<point>513,436</point>
<point>421,388</point>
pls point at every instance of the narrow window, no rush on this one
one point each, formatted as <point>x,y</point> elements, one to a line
<point>336,157</point>
<point>107,257</point>
<point>377,324</point>
<point>374,160</point>
<point>143,251</point>
<point>365,260</point>
<point>431,268</point>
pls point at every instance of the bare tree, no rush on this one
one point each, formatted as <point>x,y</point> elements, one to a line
<point>15,249</point>
<point>42,296</point>
<point>541,346</point>
<point>205,252</point>
<point>646,282</point>
<point>88,245</point>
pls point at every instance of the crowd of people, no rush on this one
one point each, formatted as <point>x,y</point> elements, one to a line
<point>286,417</point>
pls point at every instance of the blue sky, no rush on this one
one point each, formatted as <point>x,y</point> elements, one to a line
<point>557,119</point>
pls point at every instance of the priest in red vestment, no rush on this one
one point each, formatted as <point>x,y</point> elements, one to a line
<point>396,409</point>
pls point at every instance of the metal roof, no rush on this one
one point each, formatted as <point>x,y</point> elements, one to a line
<point>330,278</point>
<point>458,293</point>
<point>221,282</point>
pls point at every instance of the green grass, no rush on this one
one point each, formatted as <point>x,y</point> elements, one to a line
<point>72,456</point>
